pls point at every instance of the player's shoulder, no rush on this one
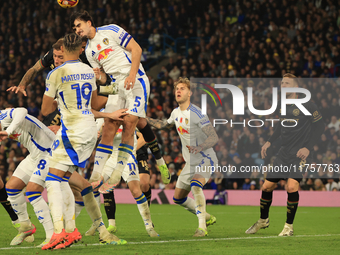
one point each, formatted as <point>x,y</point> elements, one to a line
<point>54,71</point>
<point>110,27</point>
<point>196,111</point>
<point>6,113</point>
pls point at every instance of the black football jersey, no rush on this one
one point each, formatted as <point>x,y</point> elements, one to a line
<point>296,137</point>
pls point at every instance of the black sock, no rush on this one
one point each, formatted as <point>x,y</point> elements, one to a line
<point>265,202</point>
<point>7,205</point>
<point>292,205</point>
<point>148,195</point>
<point>110,205</point>
<point>151,140</point>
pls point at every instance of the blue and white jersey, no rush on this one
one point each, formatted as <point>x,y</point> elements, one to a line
<point>108,50</point>
<point>27,130</point>
<point>72,84</point>
<point>189,124</point>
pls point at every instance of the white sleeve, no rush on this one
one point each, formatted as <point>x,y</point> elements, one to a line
<point>199,119</point>
<point>171,119</point>
<point>17,115</point>
<point>51,89</point>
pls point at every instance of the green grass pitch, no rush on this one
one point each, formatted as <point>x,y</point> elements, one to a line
<point>316,231</point>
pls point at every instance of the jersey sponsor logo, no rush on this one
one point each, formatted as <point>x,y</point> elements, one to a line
<point>104,53</point>
<point>132,173</point>
<point>14,136</point>
<point>182,130</point>
<point>176,119</point>
<point>106,41</point>
<point>296,112</point>
<point>93,53</point>
<point>99,47</point>
<point>134,110</point>
<point>96,162</point>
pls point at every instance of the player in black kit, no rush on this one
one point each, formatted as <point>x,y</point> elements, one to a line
<point>298,141</point>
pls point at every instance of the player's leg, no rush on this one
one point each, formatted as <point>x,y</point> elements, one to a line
<point>151,140</point>
<point>292,205</point>
<point>94,211</point>
<point>144,176</point>
<point>33,192</point>
<point>136,103</point>
<point>110,209</point>
<point>16,196</point>
<point>265,203</point>
<point>181,197</point>
<point>104,148</point>
<point>7,205</point>
<point>131,175</point>
<point>55,196</point>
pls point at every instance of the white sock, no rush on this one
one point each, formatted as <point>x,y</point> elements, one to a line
<point>112,222</point>
<point>79,206</point>
<point>102,154</point>
<point>18,202</point>
<point>160,161</point>
<point>55,202</point>
<point>41,211</point>
<point>94,212</point>
<point>200,206</point>
<point>190,205</point>
<point>124,153</point>
<point>69,208</point>
<point>144,210</point>
<point>97,198</point>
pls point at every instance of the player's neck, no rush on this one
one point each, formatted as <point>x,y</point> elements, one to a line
<point>92,33</point>
<point>71,56</point>
<point>184,105</point>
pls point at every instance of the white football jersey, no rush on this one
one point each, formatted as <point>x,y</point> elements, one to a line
<point>72,84</point>
<point>189,124</point>
<point>27,130</point>
<point>107,50</point>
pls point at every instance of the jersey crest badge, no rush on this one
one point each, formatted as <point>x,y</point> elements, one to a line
<point>186,121</point>
<point>296,112</point>
<point>106,41</point>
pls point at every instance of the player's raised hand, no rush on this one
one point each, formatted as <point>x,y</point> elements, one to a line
<point>194,149</point>
<point>118,115</point>
<point>264,149</point>
<point>97,73</point>
<point>129,82</point>
<point>16,89</point>
<point>3,135</point>
<point>303,153</point>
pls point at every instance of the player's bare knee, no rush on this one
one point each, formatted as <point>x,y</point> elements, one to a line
<point>31,186</point>
<point>141,123</point>
<point>268,186</point>
<point>292,188</point>
<point>144,187</point>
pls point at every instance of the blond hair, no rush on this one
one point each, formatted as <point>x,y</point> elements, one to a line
<point>289,75</point>
<point>183,80</point>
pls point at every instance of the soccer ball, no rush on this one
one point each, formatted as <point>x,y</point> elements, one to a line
<point>68,3</point>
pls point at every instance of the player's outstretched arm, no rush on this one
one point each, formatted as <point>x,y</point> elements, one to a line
<point>159,124</point>
<point>136,53</point>
<point>211,140</point>
<point>117,115</point>
<point>17,115</point>
<point>28,78</point>
<point>140,141</point>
